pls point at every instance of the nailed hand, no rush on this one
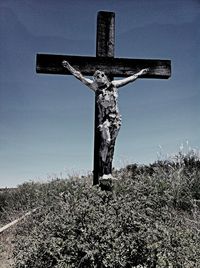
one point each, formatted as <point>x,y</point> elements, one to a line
<point>144,71</point>
<point>65,64</point>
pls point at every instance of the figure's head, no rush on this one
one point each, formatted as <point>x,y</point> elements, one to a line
<point>100,78</point>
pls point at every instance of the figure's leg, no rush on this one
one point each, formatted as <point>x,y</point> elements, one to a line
<point>109,130</point>
<point>106,139</point>
<point>114,130</point>
<point>109,135</point>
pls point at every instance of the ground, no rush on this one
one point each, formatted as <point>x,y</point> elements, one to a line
<point>5,249</point>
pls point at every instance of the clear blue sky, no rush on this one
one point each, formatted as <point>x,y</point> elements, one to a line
<point>46,121</point>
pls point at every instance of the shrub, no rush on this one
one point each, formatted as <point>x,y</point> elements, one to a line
<point>17,201</point>
<point>151,221</point>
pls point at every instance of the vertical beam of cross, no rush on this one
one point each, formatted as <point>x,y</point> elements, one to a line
<point>105,45</point>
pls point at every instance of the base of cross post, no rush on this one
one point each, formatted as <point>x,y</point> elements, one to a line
<point>107,183</point>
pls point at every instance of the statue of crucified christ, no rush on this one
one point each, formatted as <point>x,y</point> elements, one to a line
<point>109,116</point>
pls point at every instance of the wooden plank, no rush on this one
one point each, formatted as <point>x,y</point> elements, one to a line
<point>5,227</point>
<point>118,67</point>
<point>105,39</point>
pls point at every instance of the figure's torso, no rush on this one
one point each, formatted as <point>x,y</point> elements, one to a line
<point>108,105</point>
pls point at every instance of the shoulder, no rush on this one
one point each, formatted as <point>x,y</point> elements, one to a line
<point>114,84</point>
<point>93,86</point>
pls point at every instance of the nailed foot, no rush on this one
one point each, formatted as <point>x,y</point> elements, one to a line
<point>107,182</point>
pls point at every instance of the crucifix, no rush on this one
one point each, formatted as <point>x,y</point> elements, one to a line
<point>104,67</point>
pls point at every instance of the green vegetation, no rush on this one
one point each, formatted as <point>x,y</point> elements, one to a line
<point>152,220</point>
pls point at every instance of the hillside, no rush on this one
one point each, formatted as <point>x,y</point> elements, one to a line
<point>152,219</point>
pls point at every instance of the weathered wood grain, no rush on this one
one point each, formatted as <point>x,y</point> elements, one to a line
<point>105,38</point>
<point>117,67</point>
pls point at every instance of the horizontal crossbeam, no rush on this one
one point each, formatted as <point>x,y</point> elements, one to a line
<point>117,67</point>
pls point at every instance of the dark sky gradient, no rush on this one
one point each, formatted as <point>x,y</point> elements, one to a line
<point>46,121</point>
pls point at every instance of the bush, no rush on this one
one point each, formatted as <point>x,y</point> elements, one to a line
<point>17,201</point>
<point>151,221</point>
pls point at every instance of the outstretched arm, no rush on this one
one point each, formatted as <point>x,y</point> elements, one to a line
<point>127,80</point>
<point>88,82</point>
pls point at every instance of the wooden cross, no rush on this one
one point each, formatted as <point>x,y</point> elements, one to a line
<point>104,60</point>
